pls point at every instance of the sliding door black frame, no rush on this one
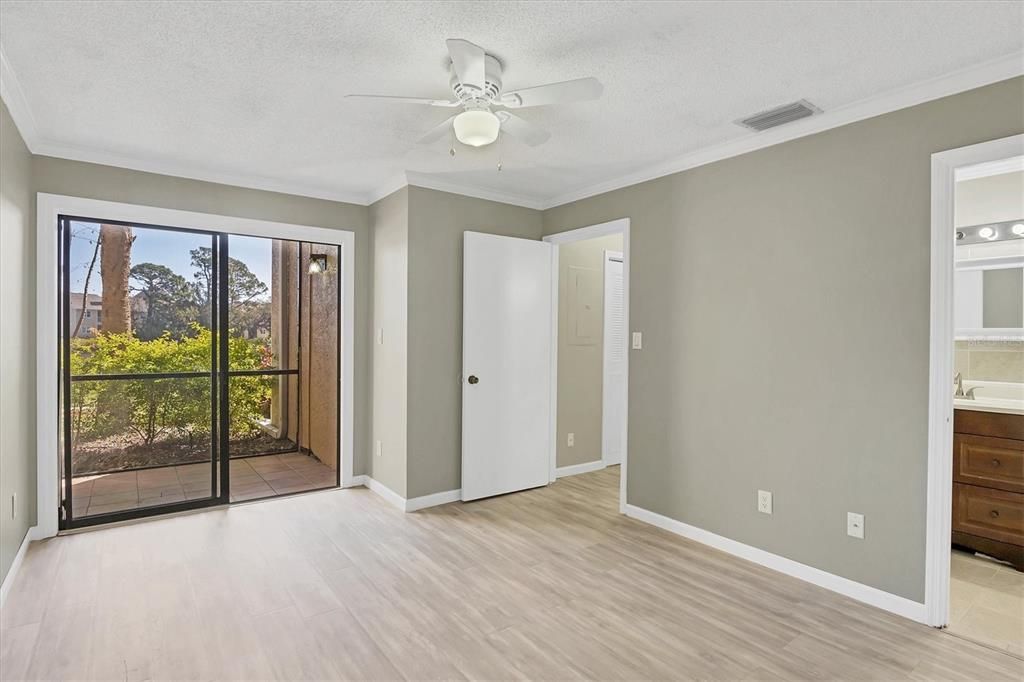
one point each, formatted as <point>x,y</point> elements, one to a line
<point>218,495</point>
<point>220,374</point>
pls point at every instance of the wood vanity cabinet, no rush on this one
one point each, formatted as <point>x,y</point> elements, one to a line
<point>988,484</point>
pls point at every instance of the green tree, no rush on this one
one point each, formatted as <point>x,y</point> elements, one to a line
<point>164,302</point>
<point>244,287</point>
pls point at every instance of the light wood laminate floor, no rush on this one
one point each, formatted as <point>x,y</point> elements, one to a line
<point>547,584</point>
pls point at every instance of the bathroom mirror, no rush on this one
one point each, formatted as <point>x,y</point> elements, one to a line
<point>989,301</point>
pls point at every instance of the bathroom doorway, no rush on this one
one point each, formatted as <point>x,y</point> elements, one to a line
<point>975,584</point>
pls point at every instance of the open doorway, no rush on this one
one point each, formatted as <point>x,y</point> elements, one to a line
<point>987,562</point>
<point>590,354</point>
<point>975,571</point>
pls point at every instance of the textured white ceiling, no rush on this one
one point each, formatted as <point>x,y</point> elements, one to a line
<point>256,89</point>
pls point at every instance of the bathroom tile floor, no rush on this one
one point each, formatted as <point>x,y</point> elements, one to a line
<point>986,602</point>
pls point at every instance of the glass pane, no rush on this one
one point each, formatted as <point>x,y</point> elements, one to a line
<point>259,419</point>
<point>138,299</point>
<point>139,442</point>
<point>263,284</point>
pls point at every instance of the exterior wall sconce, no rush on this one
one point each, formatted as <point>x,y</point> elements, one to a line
<point>317,263</point>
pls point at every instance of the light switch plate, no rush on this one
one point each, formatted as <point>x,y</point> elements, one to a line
<point>764,501</point>
<point>378,449</point>
<point>855,525</point>
<point>380,336</point>
<point>571,440</point>
<point>638,341</point>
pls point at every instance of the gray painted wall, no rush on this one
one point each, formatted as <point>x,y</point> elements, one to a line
<point>17,342</point>
<point>784,301</point>
<point>437,221</point>
<point>581,357</point>
<point>74,178</point>
<point>389,219</point>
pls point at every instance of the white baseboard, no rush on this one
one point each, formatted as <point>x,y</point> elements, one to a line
<point>357,481</point>
<point>584,468</point>
<point>437,499</point>
<point>389,495</point>
<point>8,581</point>
<point>413,504</point>
<point>864,593</point>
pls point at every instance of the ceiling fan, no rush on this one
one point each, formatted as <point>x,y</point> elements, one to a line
<point>475,80</point>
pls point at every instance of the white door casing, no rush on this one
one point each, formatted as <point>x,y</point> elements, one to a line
<point>613,392</point>
<point>506,364</point>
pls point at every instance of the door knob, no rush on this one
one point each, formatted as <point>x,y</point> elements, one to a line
<point>473,379</point>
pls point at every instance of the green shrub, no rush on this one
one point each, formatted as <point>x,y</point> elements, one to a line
<point>151,409</point>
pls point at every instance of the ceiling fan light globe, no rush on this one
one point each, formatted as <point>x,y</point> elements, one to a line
<point>476,127</point>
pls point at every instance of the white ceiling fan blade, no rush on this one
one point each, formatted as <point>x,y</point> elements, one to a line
<point>437,132</point>
<point>578,90</point>
<point>522,129</point>
<point>408,100</point>
<point>468,60</point>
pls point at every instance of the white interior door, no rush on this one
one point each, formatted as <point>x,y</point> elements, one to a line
<point>506,364</point>
<point>613,412</point>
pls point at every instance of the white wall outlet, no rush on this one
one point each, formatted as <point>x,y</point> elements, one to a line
<point>855,525</point>
<point>638,340</point>
<point>378,449</point>
<point>571,440</point>
<point>764,501</point>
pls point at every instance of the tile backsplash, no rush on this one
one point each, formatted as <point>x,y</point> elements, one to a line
<point>990,360</point>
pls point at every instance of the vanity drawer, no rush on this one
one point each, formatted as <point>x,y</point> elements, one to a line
<point>989,513</point>
<point>988,424</point>
<point>989,462</point>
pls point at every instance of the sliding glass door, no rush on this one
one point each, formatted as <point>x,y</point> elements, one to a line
<point>181,360</point>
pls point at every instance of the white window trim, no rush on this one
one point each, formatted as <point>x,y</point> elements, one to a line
<point>48,208</point>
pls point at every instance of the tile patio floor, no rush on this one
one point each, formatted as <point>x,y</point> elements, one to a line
<point>251,478</point>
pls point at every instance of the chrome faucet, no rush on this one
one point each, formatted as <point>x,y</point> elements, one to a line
<point>970,392</point>
<point>959,380</point>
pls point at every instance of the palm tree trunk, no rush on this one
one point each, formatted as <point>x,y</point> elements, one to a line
<point>115,266</point>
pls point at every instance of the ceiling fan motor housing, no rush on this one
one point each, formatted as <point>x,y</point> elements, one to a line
<point>492,84</point>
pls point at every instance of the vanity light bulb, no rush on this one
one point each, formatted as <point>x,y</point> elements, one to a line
<point>1018,229</point>
<point>987,233</point>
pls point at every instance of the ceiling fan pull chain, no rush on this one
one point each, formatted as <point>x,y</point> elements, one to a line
<point>499,151</point>
<point>451,143</point>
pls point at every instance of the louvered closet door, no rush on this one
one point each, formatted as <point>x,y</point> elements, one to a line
<point>614,388</point>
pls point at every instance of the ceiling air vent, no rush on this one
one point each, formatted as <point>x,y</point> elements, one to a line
<point>772,118</point>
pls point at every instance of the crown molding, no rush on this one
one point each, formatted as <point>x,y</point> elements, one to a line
<point>952,83</point>
<point>388,188</point>
<point>14,97</point>
<point>427,181</point>
<point>192,172</point>
<point>976,76</point>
